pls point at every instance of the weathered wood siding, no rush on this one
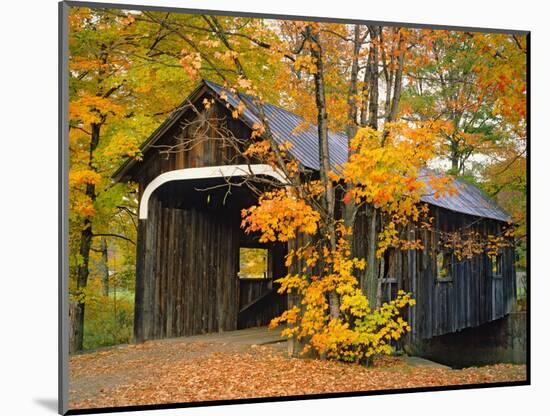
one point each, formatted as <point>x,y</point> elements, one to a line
<point>187,273</point>
<point>188,248</point>
<point>470,297</point>
<point>213,152</point>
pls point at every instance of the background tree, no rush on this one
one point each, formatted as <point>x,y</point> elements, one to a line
<point>113,104</point>
<point>476,82</point>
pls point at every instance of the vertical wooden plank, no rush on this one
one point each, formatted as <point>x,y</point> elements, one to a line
<point>170,295</point>
<point>188,277</point>
<point>156,273</point>
<point>177,281</point>
<point>150,268</point>
<point>182,276</point>
<point>213,251</point>
<point>412,275</point>
<point>203,283</point>
<point>231,300</point>
<point>220,276</point>
<point>193,295</point>
<point>160,274</point>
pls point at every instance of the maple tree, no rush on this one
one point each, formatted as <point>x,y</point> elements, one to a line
<point>505,176</point>
<point>112,105</point>
<point>476,82</point>
<point>95,98</point>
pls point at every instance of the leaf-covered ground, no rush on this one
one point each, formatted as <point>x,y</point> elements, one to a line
<point>172,371</point>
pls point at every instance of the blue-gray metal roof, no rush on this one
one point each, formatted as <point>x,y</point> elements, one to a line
<point>288,126</point>
<point>467,199</point>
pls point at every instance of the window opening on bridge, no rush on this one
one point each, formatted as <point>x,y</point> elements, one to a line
<point>253,263</point>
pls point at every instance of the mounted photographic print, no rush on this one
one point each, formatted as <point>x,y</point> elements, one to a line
<point>261,208</point>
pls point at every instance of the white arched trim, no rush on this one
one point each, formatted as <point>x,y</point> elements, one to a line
<point>203,173</point>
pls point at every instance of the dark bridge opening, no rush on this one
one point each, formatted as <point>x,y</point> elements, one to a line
<point>500,341</point>
<point>189,263</point>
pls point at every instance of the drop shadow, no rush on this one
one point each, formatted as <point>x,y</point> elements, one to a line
<point>47,403</point>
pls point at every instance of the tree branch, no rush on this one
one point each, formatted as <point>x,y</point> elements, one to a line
<point>114,235</point>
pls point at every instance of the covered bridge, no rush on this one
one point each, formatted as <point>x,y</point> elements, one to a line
<point>198,272</point>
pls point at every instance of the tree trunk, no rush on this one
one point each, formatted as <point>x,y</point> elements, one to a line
<point>397,83</point>
<point>392,101</point>
<point>350,209</point>
<point>370,281</point>
<point>371,83</point>
<point>379,282</point>
<point>352,91</point>
<point>85,245</point>
<point>72,319</point>
<point>388,75</point>
<point>104,266</point>
<point>324,156</point>
<point>455,156</point>
<point>81,283</point>
<point>295,346</point>
<point>322,125</point>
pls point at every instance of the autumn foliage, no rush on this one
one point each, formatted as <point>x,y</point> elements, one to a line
<point>383,174</point>
<point>405,99</point>
<point>178,371</point>
<point>360,331</point>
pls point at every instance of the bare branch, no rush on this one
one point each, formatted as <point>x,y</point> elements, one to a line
<point>115,236</point>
